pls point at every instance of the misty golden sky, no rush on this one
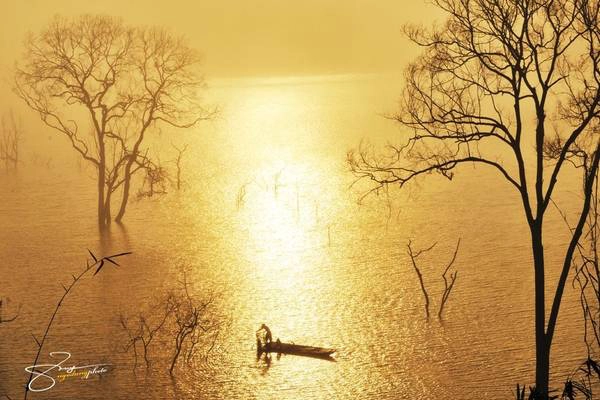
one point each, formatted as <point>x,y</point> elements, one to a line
<point>252,38</point>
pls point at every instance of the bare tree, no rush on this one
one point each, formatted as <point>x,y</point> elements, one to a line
<point>170,91</point>
<point>192,323</point>
<point>513,86</point>
<point>10,140</point>
<point>155,179</point>
<point>147,328</point>
<point>178,160</point>
<point>180,318</point>
<point>106,86</point>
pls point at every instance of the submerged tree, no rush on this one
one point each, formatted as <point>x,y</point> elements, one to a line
<point>107,86</point>
<point>515,86</point>
<point>11,137</point>
<point>178,160</point>
<point>449,280</point>
<point>182,324</point>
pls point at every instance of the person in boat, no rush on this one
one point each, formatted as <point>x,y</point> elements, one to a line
<point>268,335</point>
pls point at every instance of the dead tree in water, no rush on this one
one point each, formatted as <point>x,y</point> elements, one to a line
<point>413,258</point>
<point>106,87</point>
<point>179,318</point>
<point>187,319</point>
<point>448,281</point>
<point>148,328</point>
<point>10,140</point>
<point>240,198</point>
<point>178,159</point>
<point>155,180</point>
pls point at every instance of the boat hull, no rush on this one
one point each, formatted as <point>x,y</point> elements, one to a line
<point>297,349</point>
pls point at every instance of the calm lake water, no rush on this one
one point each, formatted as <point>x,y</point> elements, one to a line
<point>293,249</point>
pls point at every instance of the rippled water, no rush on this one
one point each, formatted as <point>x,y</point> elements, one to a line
<point>295,251</point>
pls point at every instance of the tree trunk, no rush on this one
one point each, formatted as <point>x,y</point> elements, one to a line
<point>101,209</point>
<point>129,165</point>
<point>178,345</point>
<point>127,176</point>
<point>107,213</point>
<point>542,347</point>
<point>542,367</point>
<point>101,178</point>
<point>126,189</point>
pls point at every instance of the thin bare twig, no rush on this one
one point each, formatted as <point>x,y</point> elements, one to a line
<point>98,264</point>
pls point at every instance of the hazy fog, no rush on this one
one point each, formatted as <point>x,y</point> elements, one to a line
<point>242,38</point>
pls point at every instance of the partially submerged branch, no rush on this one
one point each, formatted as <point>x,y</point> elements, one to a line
<point>178,160</point>
<point>413,258</point>
<point>4,319</point>
<point>448,280</point>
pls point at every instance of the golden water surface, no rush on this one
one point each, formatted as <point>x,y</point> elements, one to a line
<point>267,221</point>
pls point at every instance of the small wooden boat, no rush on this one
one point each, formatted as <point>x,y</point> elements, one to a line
<point>297,349</point>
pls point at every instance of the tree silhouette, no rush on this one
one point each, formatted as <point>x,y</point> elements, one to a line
<point>106,86</point>
<point>515,86</point>
<point>11,136</point>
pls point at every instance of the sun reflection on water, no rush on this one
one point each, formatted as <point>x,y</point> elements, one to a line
<point>276,230</point>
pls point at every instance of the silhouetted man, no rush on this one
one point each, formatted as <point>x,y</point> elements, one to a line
<point>268,335</point>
